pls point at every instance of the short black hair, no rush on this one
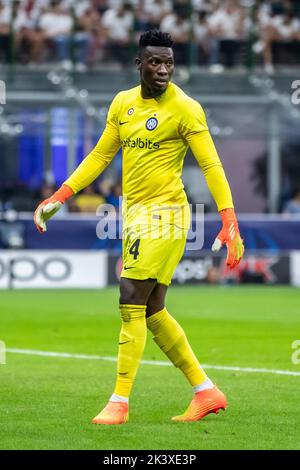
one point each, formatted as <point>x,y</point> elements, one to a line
<point>154,37</point>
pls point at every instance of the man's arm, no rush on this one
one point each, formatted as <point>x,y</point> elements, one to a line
<point>207,157</point>
<point>205,152</point>
<point>96,161</point>
<point>90,168</point>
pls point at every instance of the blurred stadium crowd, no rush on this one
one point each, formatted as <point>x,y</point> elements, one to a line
<point>104,195</point>
<point>215,33</point>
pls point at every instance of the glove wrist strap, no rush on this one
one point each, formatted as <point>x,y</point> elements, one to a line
<point>228,215</point>
<point>63,194</point>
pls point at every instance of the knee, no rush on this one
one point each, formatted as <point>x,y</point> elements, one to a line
<point>136,292</point>
<point>132,293</point>
<point>154,305</point>
<point>128,294</point>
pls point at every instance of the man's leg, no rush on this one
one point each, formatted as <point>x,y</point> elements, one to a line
<point>134,295</point>
<point>172,340</point>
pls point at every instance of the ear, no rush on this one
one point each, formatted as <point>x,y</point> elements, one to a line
<point>138,63</point>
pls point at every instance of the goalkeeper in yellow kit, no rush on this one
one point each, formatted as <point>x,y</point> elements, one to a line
<point>155,123</point>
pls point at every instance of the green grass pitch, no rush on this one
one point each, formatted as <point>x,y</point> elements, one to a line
<point>47,402</point>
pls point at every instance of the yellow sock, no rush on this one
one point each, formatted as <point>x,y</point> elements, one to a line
<point>172,340</point>
<point>132,342</point>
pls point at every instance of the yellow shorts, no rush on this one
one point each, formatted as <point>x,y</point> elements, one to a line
<point>152,251</point>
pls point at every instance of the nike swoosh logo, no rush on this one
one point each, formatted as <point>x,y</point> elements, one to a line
<point>121,123</point>
<point>129,267</point>
<point>124,342</point>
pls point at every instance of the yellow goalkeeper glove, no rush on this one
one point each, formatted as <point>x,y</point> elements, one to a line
<point>47,208</point>
<point>230,236</point>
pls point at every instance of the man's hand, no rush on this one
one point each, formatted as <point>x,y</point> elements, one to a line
<point>50,206</point>
<point>230,236</point>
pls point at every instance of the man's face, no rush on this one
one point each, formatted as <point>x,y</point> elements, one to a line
<point>156,66</point>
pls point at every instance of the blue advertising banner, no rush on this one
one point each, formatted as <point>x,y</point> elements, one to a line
<point>270,234</point>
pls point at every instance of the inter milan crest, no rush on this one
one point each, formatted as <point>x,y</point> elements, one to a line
<point>130,111</point>
<point>151,124</point>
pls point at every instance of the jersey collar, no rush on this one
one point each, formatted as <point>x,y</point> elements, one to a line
<point>158,99</point>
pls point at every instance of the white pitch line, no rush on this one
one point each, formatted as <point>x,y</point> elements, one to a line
<point>33,352</point>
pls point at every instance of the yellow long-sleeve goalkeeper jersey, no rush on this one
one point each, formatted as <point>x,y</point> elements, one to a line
<point>155,135</point>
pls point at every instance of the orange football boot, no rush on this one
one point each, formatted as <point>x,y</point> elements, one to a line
<point>113,413</point>
<point>204,402</point>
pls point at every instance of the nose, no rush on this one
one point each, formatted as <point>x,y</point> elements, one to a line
<point>163,69</point>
